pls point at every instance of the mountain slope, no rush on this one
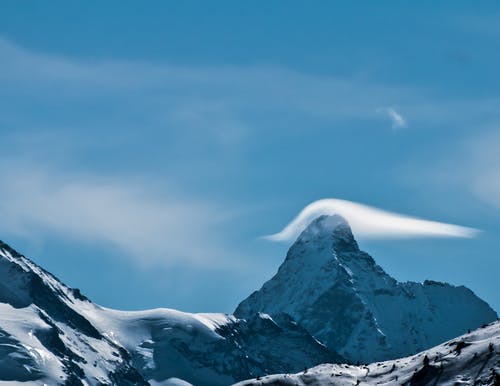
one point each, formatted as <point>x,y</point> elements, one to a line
<point>342,297</point>
<point>471,359</point>
<point>44,338</point>
<point>51,334</point>
<point>208,349</point>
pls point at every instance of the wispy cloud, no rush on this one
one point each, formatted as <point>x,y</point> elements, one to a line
<point>72,103</point>
<point>468,169</point>
<point>481,169</point>
<point>398,121</point>
<point>370,222</point>
<point>151,228</point>
<point>215,100</point>
<point>219,106</point>
<point>473,166</point>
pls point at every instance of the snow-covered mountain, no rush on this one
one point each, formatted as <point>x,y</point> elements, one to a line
<point>327,298</point>
<point>51,334</point>
<point>208,349</point>
<point>471,359</point>
<point>343,298</point>
<point>43,337</point>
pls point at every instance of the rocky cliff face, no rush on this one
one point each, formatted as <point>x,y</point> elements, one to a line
<point>343,298</point>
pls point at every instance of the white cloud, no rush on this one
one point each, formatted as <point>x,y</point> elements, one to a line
<point>369,222</point>
<point>398,121</point>
<point>151,228</point>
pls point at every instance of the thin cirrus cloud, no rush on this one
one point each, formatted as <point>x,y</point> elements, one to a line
<point>190,96</point>
<point>397,120</point>
<point>148,228</point>
<point>472,166</point>
<point>370,222</point>
<point>480,171</point>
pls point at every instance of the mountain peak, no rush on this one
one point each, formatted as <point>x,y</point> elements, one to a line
<point>332,229</point>
<point>324,224</point>
<point>341,296</point>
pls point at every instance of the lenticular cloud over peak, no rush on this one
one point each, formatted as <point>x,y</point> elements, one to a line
<point>370,222</point>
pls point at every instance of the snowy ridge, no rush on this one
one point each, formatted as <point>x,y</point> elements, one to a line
<point>207,349</point>
<point>471,359</point>
<point>44,339</point>
<point>51,334</point>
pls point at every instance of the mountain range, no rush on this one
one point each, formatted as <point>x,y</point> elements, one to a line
<point>328,303</point>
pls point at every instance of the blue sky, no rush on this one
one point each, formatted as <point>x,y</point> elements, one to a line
<point>147,147</point>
